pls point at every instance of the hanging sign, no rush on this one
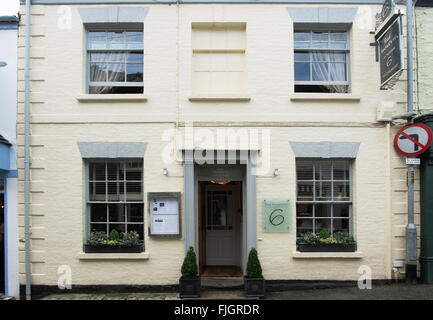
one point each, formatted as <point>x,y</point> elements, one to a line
<point>275,215</point>
<point>413,139</point>
<point>164,209</point>
<point>386,16</point>
<point>391,57</point>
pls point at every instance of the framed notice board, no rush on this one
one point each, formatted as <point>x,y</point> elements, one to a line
<point>164,212</point>
<point>276,215</point>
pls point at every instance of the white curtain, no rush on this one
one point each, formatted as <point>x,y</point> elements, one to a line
<point>107,67</point>
<point>320,65</point>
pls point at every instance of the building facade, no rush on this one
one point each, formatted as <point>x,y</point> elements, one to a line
<point>8,154</point>
<point>226,112</point>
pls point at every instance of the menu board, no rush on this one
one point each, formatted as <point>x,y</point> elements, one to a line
<point>164,211</point>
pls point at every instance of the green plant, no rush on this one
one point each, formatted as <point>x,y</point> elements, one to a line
<point>343,237</point>
<point>254,269</point>
<point>96,238</point>
<point>129,239</point>
<point>309,238</point>
<point>114,235</point>
<point>189,267</point>
<point>330,240</point>
<point>324,234</point>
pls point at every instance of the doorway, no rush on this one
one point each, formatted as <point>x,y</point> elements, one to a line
<point>220,228</point>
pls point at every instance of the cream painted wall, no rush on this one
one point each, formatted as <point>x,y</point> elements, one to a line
<point>59,121</point>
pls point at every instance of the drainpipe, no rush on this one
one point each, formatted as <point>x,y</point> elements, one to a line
<point>411,232</point>
<point>26,153</point>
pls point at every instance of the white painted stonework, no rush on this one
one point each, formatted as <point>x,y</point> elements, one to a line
<point>61,117</point>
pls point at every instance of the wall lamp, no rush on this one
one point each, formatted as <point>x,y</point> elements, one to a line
<point>276,172</point>
<point>165,171</point>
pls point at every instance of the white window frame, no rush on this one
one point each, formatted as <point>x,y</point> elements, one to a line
<point>329,50</point>
<point>332,202</point>
<point>123,201</point>
<point>90,50</point>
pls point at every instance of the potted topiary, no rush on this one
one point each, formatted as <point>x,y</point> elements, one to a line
<point>98,242</point>
<point>189,282</point>
<point>325,242</point>
<point>254,283</point>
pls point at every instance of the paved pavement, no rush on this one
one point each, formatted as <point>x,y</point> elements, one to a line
<point>378,292</point>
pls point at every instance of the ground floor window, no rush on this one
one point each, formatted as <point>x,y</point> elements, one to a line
<point>115,197</point>
<point>324,196</point>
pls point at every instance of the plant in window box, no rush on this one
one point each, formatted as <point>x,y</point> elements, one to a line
<point>325,242</point>
<point>98,242</point>
<point>189,282</point>
<point>254,283</point>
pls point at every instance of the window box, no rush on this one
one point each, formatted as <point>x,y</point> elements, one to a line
<point>326,247</point>
<point>189,288</point>
<point>254,287</point>
<point>113,249</point>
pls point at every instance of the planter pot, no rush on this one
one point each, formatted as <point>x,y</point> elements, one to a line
<point>113,249</point>
<point>254,287</point>
<point>189,288</point>
<point>324,247</point>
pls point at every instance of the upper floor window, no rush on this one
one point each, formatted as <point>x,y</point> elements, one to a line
<point>321,61</point>
<point>115,61</point>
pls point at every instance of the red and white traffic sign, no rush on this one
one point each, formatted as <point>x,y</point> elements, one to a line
<point>413,139</point>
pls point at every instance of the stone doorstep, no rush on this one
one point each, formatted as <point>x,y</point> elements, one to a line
<point>222,295</point>
<point>222,282</point>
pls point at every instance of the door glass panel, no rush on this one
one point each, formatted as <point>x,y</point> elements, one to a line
<point>219,210</point>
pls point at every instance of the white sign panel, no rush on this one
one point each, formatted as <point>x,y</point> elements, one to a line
<point>415,161</point>
<point>164,215</point>
<point>413,139</point>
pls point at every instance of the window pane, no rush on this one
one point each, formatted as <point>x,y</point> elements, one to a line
<point>135,57</point>
<point>340,225</point>
<point>134,40</point>
<point>302,45</point>
<point>305,191</point>
<point>303,226</point>
<point>134,171</point>
<point>341,170</point>
<point>115,191</point>
<point>98,227</point>
<point>118,227</point>
<point>302,71</point>
<point>338,72</point>
<point>319,56</point>
<point>304,210</point>
<point>322,224</point>
<point>323,191</point>
<point>116,212</point>
<point>112,171</point>
<point>134,191</point>
<point>320,36</point>
<point>139,228</point>
<point>116,72</point>
<point>302,56</point>
<point>340,210</point>
<point>97,40</point>
<point>302,36</point>
<point>116,40</point>
<point>338,45</point>
<point>338,36</point>
<point>320,71</point>
<point>338,57</point>
<point>98,212</point>
<point>341,191</point>
<point>323,170</point>
<point>98,191</point>
<point>304,170</point>
<point>320,45</point>
<point>97,171</point>
<point>98,72</point>
<point>134,72</point>
<point>135,212</point>
<point>322,210</point>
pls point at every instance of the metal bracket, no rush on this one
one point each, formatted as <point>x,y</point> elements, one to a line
<point>375,44</point>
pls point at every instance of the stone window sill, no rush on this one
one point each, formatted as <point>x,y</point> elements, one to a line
<point>327,255</point>
<point>113,256</point>
<point>111,98</point>
<point>220,97</point>
<point>300,96</point>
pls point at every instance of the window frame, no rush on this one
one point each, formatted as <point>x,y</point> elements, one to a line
<point>111,28</point>
<point>347,51</point>
<point>89,202</point>
<point>332,202</point>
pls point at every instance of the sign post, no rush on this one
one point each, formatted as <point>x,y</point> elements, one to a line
<point>410,141</point>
